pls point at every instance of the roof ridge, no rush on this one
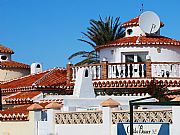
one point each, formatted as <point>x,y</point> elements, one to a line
<point>26,76</point>
<point>46,75</point>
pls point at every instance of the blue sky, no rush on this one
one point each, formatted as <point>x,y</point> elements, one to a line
<point>46,31</point>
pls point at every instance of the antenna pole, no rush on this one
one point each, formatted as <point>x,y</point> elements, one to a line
<point>142,7</point>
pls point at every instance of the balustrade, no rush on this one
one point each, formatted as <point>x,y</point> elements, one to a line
<point>126,70</point>
<point>165,69</point>
<point>131,70</point>
<point>117,116</point>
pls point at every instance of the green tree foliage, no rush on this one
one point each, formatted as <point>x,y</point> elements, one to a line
<point>100,32</point>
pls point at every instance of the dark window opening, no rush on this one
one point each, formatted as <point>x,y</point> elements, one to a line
<point>129,58</point>
<point>38,66</point>
<point>4,57</point>
<point>129,31</point>
<point>86,73</point>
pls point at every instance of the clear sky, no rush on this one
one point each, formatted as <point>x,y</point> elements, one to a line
<point>46,31</point>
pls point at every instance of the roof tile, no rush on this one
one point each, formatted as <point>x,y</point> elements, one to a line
<point>135,22</point>
<point>4,49</point>
<point>13,64</point>
<point>48,78</point>
<point>141,41</point>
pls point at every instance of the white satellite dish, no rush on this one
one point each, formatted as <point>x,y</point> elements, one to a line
<point>149,22</point>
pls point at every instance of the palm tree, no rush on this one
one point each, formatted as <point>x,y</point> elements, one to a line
<point>100,32</point>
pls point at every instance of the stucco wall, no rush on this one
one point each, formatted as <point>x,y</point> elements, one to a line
<point>167,54</point>
<point>7,74</point>
<point>80,129</point>
<point>16,128</point>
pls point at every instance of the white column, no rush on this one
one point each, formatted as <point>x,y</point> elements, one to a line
<point>107,120</point>
<point>51,121</point>
<point>34,117</point>
<point>175,130</point>
<point>52,108</point>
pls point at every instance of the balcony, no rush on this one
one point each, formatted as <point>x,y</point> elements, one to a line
<point>136,70</point>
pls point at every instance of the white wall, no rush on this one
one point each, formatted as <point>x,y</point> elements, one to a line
<point>168,53</point>
<point>136,31</point>
<point>79,129</point>
<point>16,128</point>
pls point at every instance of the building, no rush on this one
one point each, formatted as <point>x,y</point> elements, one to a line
<point>135,66</point>
<point>10,69</point>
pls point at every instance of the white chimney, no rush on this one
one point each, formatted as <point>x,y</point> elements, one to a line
<point>83,85</point>
<point>36,67</point>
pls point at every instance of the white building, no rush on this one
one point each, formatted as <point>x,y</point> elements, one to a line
<point>10,69</point>
<point>135,66</point>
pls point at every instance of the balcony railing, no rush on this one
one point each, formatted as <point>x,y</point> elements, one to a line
<point>105,70</point>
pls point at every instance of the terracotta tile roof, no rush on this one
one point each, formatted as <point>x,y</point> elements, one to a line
<point>52,79</point>
<point>135,83</point>
<point>21,97</point>
<point>34,107</point>
<point>110,103</point>
<point>13,64</point>
<point>122,83</point>
<point>135,22</point>
<point>17,113</point>
<point>141,41</point>
<point>53,105</point>
<point>51,100</point>
<point>4,49</point>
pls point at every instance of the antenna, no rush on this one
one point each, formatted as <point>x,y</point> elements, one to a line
<point>142,7</point>
<point>149,22</point>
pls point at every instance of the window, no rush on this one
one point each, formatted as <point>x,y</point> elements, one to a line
<point>129,58</point>
<point>129,31</point>
<point>38,66</point>
<point>134,57</point>
<point>86,73</point>
<point>3,57</point>
<point>141,57</point>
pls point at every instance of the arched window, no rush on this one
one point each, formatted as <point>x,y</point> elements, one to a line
<point>38,66</point>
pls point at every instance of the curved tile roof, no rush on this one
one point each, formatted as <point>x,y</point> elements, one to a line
<point>21,97</point>
<point>4,49</point>
<point>17,113</point>
<point>13,64</point>
<point>135,22</point>
<point>46,79</point>
<point>141,41</point>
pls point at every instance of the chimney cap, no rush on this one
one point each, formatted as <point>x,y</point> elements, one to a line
<point>110,103</point>
<point>34,107</point>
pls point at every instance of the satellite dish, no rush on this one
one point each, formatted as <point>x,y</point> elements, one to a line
<point>149,22</point>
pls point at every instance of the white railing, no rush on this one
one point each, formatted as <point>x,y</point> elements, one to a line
<point>129,70</point>
<point>95,70</point>
<point>132,70</point>
<point>165,69</point>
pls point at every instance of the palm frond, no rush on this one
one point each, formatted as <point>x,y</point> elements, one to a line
<point>77,54</point>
